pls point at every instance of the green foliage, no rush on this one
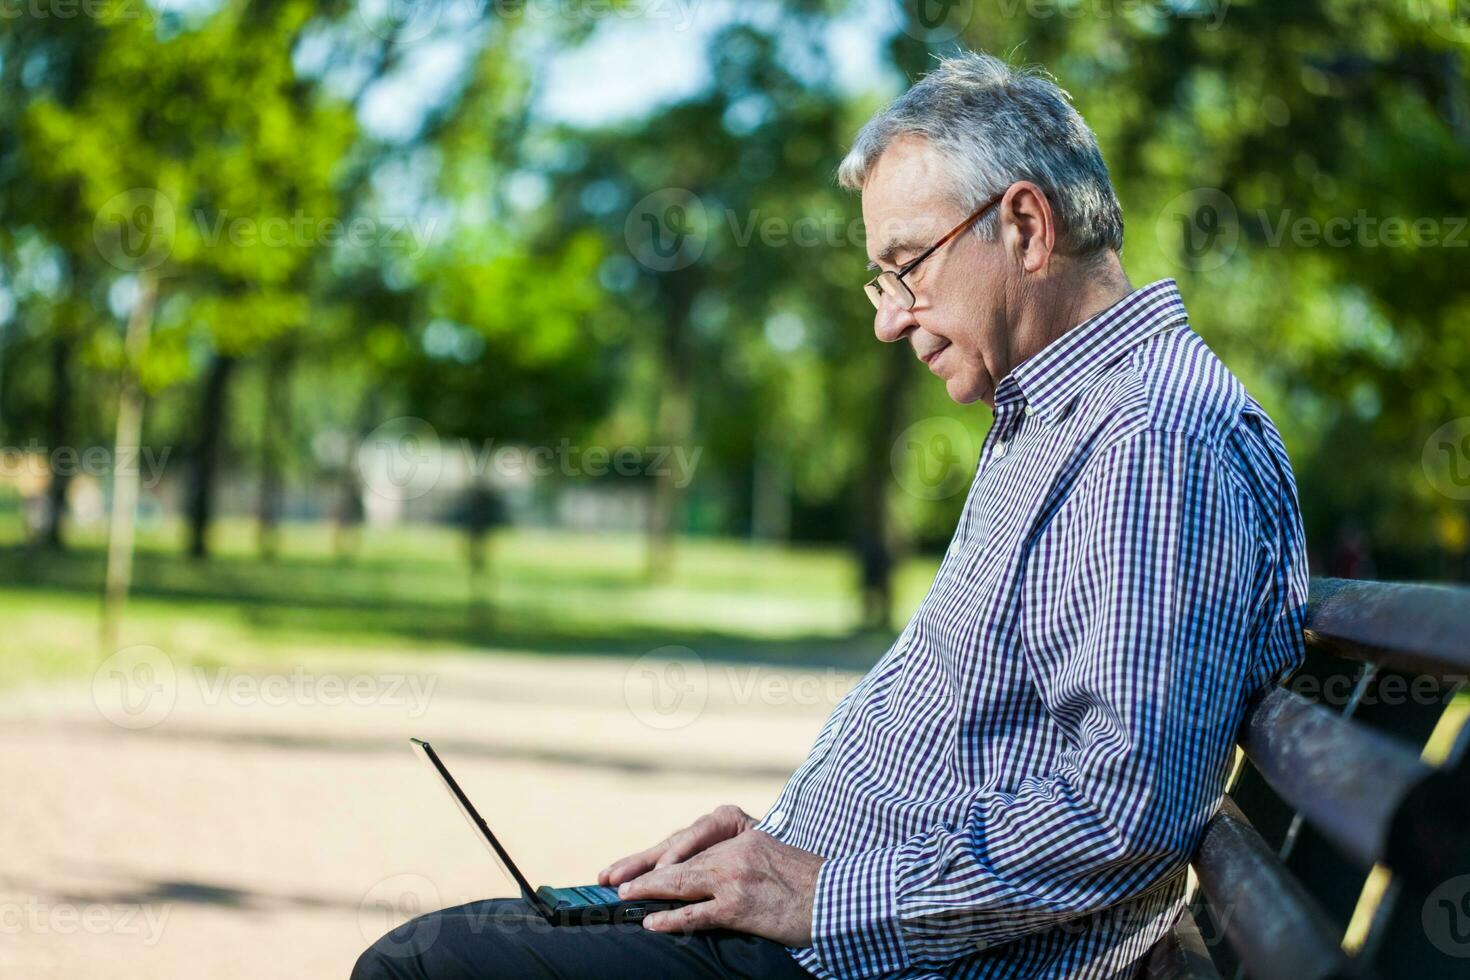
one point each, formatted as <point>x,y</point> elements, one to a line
<point>523,312</point>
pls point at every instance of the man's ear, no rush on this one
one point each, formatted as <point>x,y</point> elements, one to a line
<point>1028,225</point>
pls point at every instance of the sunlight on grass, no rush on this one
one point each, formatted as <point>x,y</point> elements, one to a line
<point>404,590</point>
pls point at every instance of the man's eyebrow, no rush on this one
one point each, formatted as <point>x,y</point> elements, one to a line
<point>895,246</point>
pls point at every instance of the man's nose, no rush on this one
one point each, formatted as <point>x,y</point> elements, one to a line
<point>892,322</point>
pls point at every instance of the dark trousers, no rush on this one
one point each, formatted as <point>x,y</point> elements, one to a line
<point>504,938</point>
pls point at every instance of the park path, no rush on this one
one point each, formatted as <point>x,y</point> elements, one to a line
<point>164,821</point>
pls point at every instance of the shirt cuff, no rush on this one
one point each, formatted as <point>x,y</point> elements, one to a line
<point>773,821</point>
<point>855,931</point>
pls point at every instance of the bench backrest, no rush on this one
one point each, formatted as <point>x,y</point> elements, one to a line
<point>1334,795</point>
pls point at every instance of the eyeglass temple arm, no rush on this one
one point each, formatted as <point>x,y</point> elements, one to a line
<point>950,236</point>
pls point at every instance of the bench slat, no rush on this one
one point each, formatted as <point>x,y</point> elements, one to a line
<point>1271,922</point>
<point>1370,795</point>
<point>1345,780</point>
<point>1418,629</point>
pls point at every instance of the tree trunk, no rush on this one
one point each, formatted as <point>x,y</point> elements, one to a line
<point>675,422</point>
<point>770,507</point>
<point>125,479</point>
<point>872,539</point>
<point>675,419</point>
<point>212,415</point>
<point>57,438</point>
<point>347,531</point>
<point>275,436</point>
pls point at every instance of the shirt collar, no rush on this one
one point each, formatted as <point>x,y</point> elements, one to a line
<point>1050,379</point>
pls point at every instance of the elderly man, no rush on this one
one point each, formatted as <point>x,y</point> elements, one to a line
<point>1015,789</point>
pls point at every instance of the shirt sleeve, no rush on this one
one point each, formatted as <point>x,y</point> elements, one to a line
<point>1139,601</point>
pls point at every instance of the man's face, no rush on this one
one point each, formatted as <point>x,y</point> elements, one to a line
<point>957,325</point>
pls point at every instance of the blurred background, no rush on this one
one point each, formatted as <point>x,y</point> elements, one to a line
<point>497,371</point>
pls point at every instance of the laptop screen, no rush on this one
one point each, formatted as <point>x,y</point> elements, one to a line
<point>502,858</point>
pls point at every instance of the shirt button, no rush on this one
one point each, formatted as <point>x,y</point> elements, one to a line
<point>775,818</point>
<point>1030,410</point>
<point>1000,449</point>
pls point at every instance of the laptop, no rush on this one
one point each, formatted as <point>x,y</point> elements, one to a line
<point>582,905</point>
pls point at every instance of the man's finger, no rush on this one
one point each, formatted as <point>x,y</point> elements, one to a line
<point>631,866</point>
<point>683,847</point>
<point>678,847</point>
<point>687,918</point>
<point>682,881</point>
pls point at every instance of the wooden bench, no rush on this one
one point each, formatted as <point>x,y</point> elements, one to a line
<point>1331,786</point>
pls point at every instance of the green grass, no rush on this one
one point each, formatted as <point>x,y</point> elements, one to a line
<point>409,589</point>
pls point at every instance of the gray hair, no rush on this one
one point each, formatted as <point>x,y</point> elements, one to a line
<point>995,125</point>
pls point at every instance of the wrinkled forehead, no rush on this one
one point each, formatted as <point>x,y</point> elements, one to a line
<point>907,201</point>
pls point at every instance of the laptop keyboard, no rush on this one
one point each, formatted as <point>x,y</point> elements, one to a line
<point>589,894</point>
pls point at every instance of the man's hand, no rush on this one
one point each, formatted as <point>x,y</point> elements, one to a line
<point>750,883</point>
<point>725,822</point>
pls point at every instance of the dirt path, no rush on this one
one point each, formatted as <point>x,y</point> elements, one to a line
<point>171,822</point>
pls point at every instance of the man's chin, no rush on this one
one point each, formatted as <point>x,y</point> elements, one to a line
<point>967,390</point>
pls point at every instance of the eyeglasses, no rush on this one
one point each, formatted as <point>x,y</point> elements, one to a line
<point>891,284</point>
